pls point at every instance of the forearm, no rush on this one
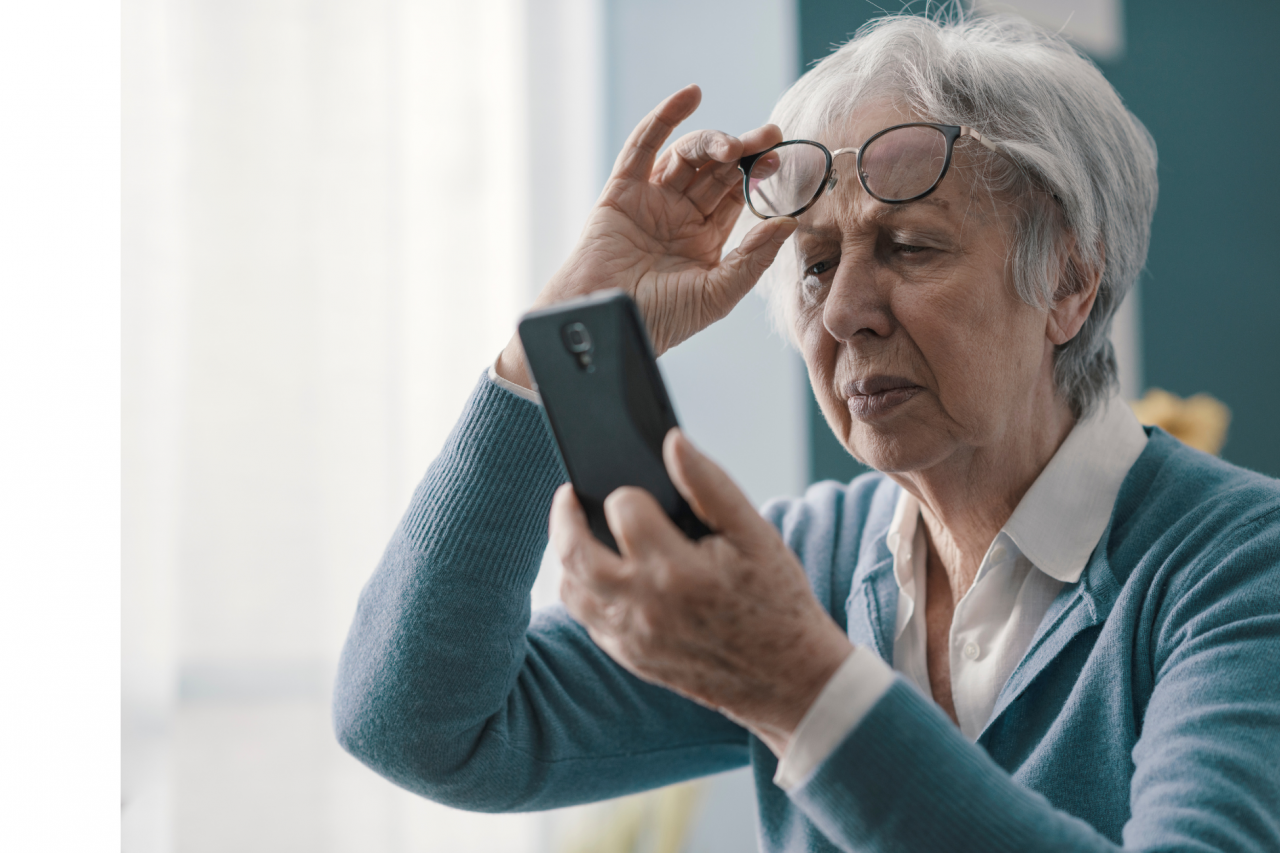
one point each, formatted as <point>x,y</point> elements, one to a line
<point>438,636</point>
<point>447,689</point>
<point>906,779</point>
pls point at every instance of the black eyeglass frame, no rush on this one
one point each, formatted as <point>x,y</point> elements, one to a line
<point>951,132</point>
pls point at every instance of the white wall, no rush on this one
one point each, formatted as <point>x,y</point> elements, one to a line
<point>326,241</point>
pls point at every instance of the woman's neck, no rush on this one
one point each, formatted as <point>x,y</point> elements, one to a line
<point>966,499</point>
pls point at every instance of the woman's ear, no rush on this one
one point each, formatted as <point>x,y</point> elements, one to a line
<point>1077,290</point>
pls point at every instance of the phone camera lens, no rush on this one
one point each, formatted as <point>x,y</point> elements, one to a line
<point>578,343</point>
<point>576,338</point>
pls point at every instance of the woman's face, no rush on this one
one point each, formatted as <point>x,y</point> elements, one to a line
<point>918,346</point>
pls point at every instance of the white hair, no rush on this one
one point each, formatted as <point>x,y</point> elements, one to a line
<point>1085,166</point>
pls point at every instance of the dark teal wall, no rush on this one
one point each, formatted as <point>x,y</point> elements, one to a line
<point>1205,79</point>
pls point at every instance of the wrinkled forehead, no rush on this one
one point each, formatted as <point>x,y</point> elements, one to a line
<point>860,124</point>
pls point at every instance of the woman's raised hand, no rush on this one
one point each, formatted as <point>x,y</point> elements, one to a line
<point>659,228</point>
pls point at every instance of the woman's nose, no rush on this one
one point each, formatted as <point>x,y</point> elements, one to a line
<point>858,302</point>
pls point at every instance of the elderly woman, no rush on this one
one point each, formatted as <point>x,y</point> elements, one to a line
<point>1038,626</point>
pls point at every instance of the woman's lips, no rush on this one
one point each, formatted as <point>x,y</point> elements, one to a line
<point>876,395</point>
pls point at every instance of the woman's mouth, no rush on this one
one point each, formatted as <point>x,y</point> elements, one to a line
<point>874,396</point>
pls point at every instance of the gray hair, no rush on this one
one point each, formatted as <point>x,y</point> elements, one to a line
<point>1085,166</point>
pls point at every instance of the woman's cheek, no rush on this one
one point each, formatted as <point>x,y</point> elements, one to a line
<point>808,304</point>
<point>817,346</point>
<point>820,352</point>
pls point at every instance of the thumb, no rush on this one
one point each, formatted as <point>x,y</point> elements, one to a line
<point>739,270</point>
<point>715,498</point>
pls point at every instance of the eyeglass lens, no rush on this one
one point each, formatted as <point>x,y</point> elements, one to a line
<point>786,179</point>
<point>904,163</point>
<point>898,165</point>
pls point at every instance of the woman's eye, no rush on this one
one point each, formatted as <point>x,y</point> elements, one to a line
<point>907,249</point>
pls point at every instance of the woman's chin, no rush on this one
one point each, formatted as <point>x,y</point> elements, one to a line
<point>909,447</point>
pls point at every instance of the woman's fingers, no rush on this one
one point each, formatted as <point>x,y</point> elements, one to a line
<point>704,164</point>
<point>739,270</point>
<point>587,562</point>
<point>765,136</point>
<point>600,588</point>
<point>635,161</point>
<point>728,211</point>
<point>680,164</point>
<point>713,184</point>
<point>639,524</point>
<point>709,490</point>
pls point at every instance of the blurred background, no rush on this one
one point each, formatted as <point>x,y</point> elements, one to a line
<point>333,213</point>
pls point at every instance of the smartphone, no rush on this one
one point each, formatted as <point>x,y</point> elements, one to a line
<point>605,402</point>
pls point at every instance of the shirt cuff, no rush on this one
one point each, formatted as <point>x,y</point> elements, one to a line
<point>847,697</point>
<point>518,390</point>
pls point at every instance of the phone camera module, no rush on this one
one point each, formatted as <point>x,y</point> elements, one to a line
<point>576,338</point>
<point>578,342</point>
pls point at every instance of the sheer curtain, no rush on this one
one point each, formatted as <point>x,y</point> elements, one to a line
<point>331,221</point>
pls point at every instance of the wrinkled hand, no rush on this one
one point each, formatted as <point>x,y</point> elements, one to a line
<point>659,228</point>
<point>729,621</point>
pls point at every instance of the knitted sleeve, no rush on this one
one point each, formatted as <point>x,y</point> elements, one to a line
<point>1205,771</point>
<point>449,687</point>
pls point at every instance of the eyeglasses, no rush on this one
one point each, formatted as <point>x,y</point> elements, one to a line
<point>896,165</point>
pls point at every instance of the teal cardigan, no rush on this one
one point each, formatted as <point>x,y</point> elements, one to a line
<point>1146,712</point>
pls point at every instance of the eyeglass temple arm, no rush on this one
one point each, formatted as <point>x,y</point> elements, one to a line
<point>964,131</point>
<point>973,134</point>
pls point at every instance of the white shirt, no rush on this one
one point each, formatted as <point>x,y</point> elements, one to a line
<point>1045,544</point>
<point>518,390</point>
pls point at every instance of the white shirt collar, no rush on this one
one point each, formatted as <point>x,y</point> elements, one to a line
<point>1060,519</point>
<point>903,541</point>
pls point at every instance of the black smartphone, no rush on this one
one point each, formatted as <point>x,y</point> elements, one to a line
<point>605,402</point>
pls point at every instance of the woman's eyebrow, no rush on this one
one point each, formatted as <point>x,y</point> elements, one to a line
<point>881,212</point>
<point>821,231</point>
<point>885,211</point>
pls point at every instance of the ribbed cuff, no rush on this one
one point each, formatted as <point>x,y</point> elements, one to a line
<point>906,779</point>
<point>486,498</point>
<point>518,390</point>
<point>847,697</point>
